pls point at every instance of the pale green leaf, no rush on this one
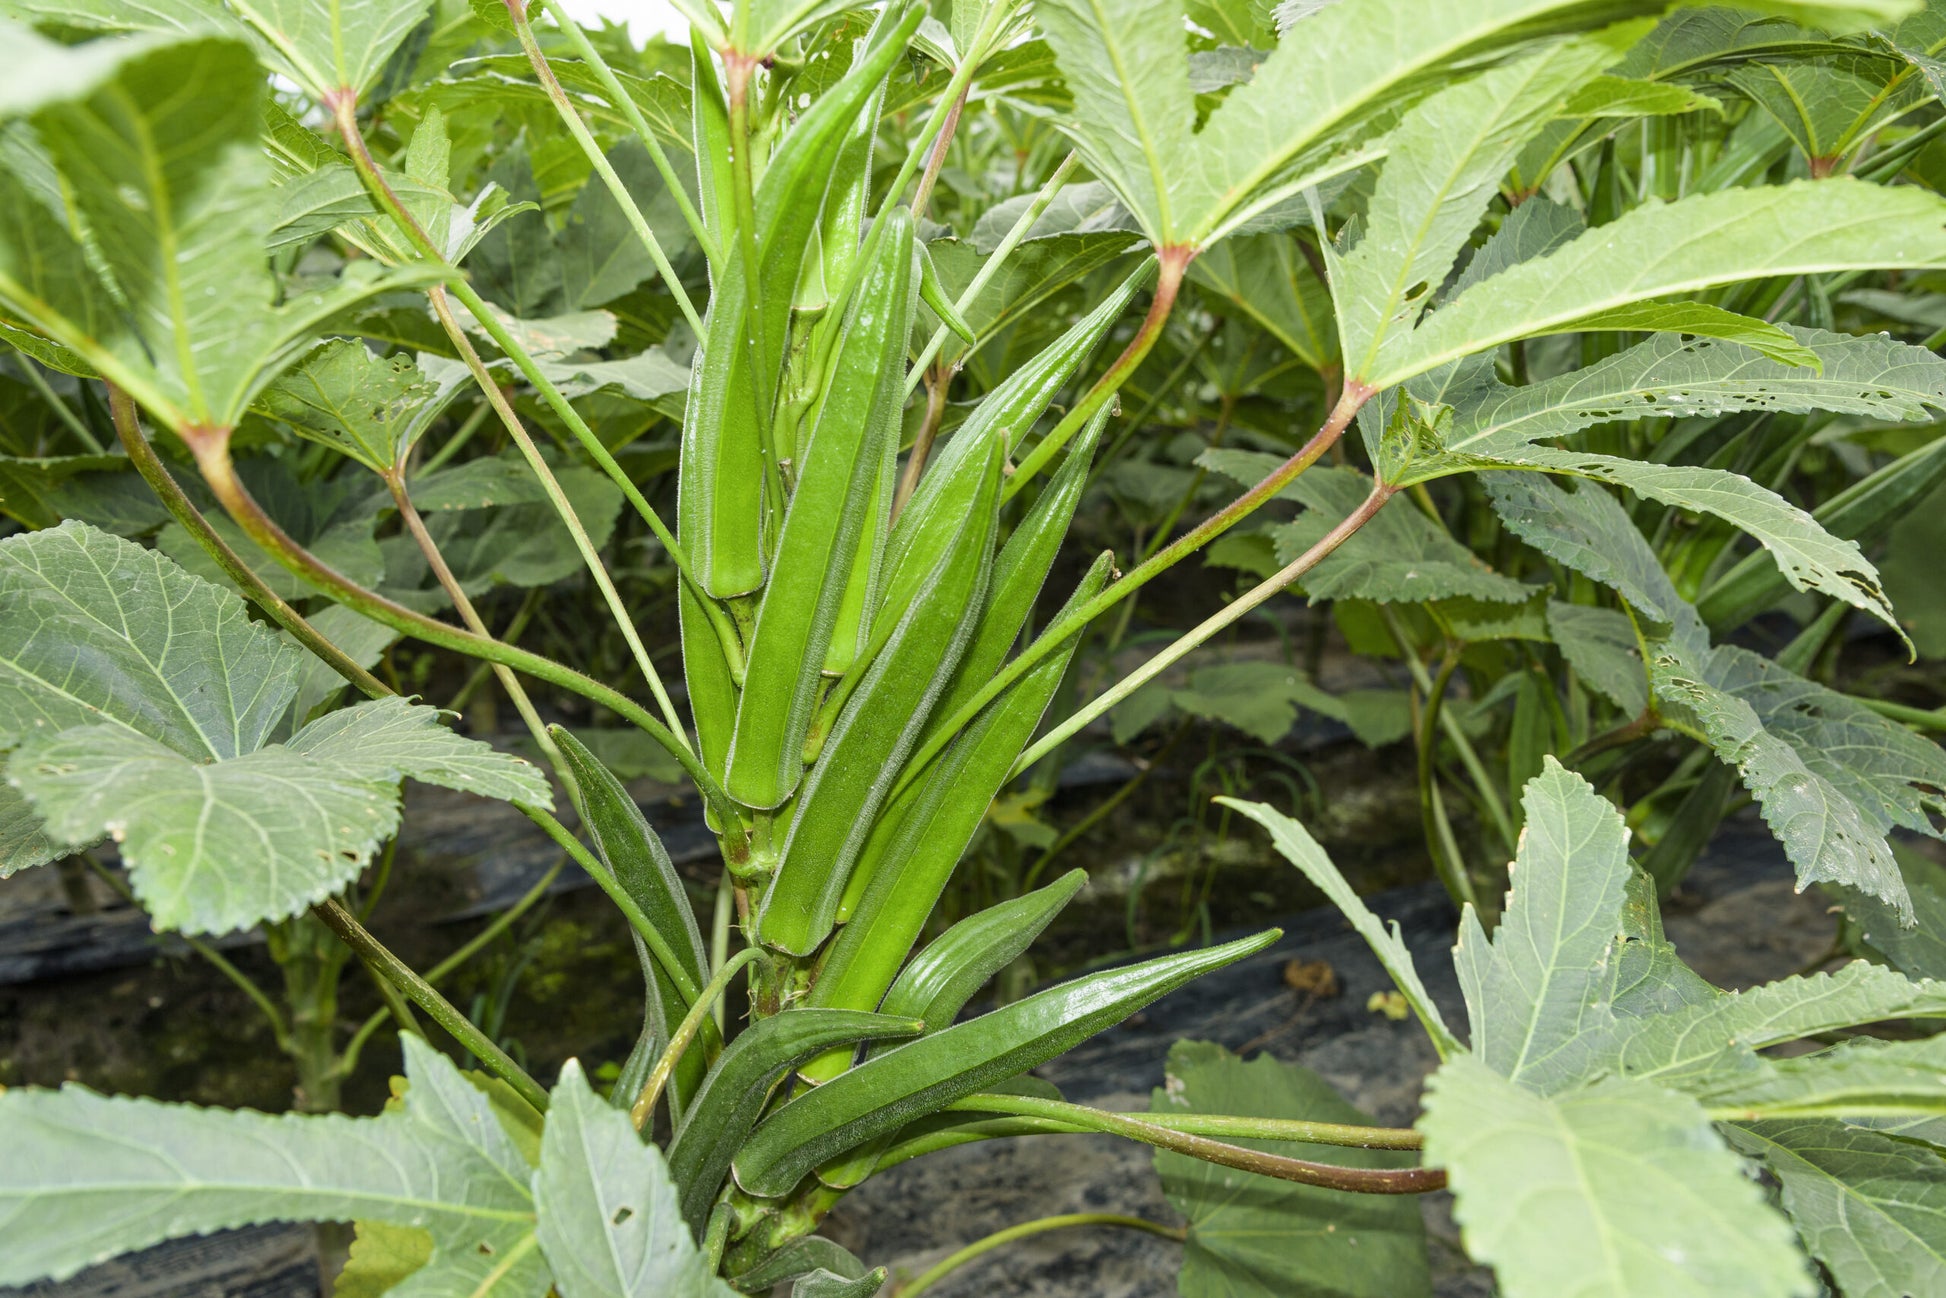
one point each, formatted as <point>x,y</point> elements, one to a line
<point>1870,1208</point>
<point>181,227</point>
<point>1298,847</point>
<point>1918,951</point>
<point>1536,988</point>
<point>1252,1237</point>
<point>1616,1190</point>
<point>1809,557</point>
<point>1721,1034</point>
<point>1626,97</point>
<point>23,839</point>
<point>602,257</point>
<point>1134,117</point>
<point>343,543</point>
<point>210,847</point>
<point>1701,320</point>
<point>215,846</point>
<point>83,1178</point>
<point>1590,532</point>
<point>1827,835</point>
<point>362,639</point>
<point>1400,556</point>
<point>609,1222</point>
<point>1444,165</point>
<point>1657,250</point>
<point>1861,1078</point>
<point>329,46</point>
<point>382,1256</point>
<point>94,628</point>
<point>1667,377</point>
<point>1600,645</point>
<point>1266,277</point>
<point>372,408</point>
<point>1898,777</point>
<point>394,737</point>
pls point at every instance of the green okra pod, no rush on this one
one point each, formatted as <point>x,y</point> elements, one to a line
<point>721,498</point>
<point>889,1090</point>
<point>733,1096</point>
<point>901,884</point>
<point>877,727</point>
<point>1019,572</point>
<point>836,482</point>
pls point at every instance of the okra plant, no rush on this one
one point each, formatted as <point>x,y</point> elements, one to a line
<point>226,226</point>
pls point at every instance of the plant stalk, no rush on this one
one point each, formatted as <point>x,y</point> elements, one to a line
<point>416,526</point>
<point>1355,395</point>
<point>1161,662</point>
<point>1358,1180</point>
<point>500,924</point>
<point>1078,1117</point>
<point>212,450</point>
<point>571,118</point>
<point>685,1033</point>
<point>590,558</point>
<point>1040,1226</point>
<point>1172,264</point>
<point>992,265</point>
<point>147,463</point>
<point>462,1029</point>
<point>624,104</point>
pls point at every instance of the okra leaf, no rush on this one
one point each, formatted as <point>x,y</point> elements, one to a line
<point>1252,1237</point>
<point>95,629</point>
<point>1897,775</point>
<point>1616,1189</point>
<point>1443,167</point>
<point>1657,250</point>
<point>216,846</point>
<point>1266,277</point>
<point>608,1221</point>
<point>1589,531</point>
<point>173,298</point>
<point>1867,510</point>
<point>1875,376</point>
<point>23,838</point>
<point>1857,1078</point>
<point>1871,1208</point>
<point>329,46</point>
<point>1401,555</point>
<point>1600,645</point>
<point>1714,1037</point>
<point>1535,989</point>
<point>1918,951</point>
<point>84,1177</point>
<point>371,408</point>
<point>1302,851</point>
<point>1809,557</point>
<point>1833,829</point>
